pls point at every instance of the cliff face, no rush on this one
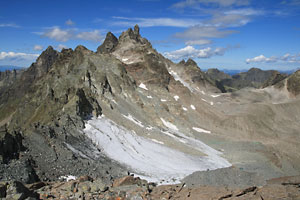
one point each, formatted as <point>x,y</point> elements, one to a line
<point>8,77</point>
<point>293,85</point>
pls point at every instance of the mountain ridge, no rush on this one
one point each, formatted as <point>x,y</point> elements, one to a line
<point>65,101</point>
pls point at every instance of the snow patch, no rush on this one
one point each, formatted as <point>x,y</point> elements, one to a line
<point>114,101</point>
<point>178,78</point>
<point>193,107</point>
<point>211,103</point>
<point>159,142</point>
<point>131,118</point>
<point>124,59</point>
<point>149,128</point>
<point>204,100</point>
<point>143,86</point>
<point>184,108</point>
<point>169,124</point>
<point>148,159</point>
<point>149,97</point>
<point>200,130</point>
<point>76,151</point>
<point>169,134</point>
<point>176,97</point>
<point>68,178</point>
<point>215,95</point>
<point>163,100</point>
<point>202,92</point>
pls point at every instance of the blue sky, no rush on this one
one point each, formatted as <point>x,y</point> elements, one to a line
<point>225,34</point>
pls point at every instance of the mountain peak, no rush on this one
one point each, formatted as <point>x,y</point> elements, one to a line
<point>48,51</point>
<point>82,49</point>
<point>182,62</point>
<point>109,44</point>
<point>49,48</point>
<point>46,59</point>
<point>190,62</point>
<point>131,34</point>
<point>136,29</point>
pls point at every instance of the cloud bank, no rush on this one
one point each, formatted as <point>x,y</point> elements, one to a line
<point>64,35</point>
<point>17,56</point>
<point>285,58</point>
<point>191,52</point>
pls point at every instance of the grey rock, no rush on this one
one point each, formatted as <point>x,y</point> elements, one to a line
<point>109,44</point>
<point>10,145</point>
<point>16,190</point>
<point>228,177</point>
<point>20,170</point>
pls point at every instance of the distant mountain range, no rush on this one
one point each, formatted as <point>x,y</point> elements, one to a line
<point>237,71</point>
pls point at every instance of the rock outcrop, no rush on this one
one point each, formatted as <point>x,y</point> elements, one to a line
<point>284,188</point>
<point>10,145</point>
<point>8,77</point>
<point>293,85</point>
<point>274,79</point>
<point>109,44</point>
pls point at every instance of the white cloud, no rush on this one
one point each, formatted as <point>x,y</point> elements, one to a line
<point>38,47</point>
<point>217,17</point>
<point>218,3</point>
<point>291,2</point>
<point>232,20</point>
<point>260,58</point>
<point>191,52</point>
<point>244,11</point>
<point>285,58</point>
<point>198,42</point>
<point>290,58</point>
<point>58,34</point>
<point>92,36</point>
<point>61,47</point>
<point>198,34</point>
<point>17,56</point>
<point>11,25</point>
<point>63,35</point>
<point>69,22</point>
<point>150,22</point>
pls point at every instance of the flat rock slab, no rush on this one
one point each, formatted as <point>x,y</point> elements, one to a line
<point>227,177</point>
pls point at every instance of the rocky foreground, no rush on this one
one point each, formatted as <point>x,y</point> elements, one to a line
<point>133,188</point>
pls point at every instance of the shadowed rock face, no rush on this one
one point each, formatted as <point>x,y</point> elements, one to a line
<point>42,64</point>
<point>293,85</point>
<point>274,79</point>
<point>8,77</point>
<point>190,72</point>
<point>109,44</point>
<point>10,146</point>
<point>192,69</point>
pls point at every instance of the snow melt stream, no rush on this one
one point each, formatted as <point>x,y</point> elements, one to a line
<point>150,159</point>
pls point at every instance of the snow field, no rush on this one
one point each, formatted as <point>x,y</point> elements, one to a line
<point>149,158</point>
